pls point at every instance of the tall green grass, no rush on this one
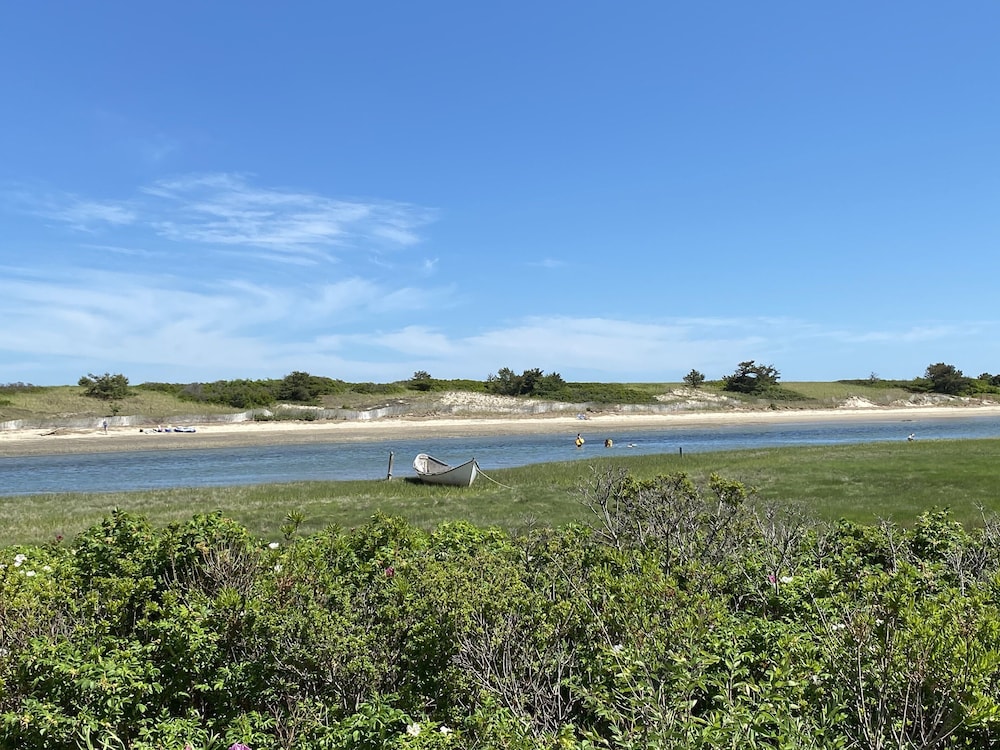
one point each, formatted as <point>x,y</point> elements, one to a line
<point>864,483</point>
<point>50,404</point>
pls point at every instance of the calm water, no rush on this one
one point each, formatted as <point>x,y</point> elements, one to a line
<point>113,472</point>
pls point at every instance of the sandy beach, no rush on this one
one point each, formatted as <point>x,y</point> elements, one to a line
<point>595,428</point>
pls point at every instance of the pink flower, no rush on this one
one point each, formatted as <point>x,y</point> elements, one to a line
<point>390,572</point>
<point>770,578</point>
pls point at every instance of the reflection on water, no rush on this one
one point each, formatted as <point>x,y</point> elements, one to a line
<point>114,472</point>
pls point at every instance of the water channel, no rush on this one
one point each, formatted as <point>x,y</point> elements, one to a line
<point>141,470</point>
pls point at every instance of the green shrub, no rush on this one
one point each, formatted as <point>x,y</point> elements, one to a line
<point>686,616</point>
<point>106,387</point>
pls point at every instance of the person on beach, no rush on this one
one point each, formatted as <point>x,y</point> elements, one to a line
<point>105,425</point>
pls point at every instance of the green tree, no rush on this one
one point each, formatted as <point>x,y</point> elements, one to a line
<point>549,385</point>
<point>297,386</point>
<point>242,394</point>
<point>421,381</point>
<point>694,378</point>
<point>305,388</point>
<point>946,379</point>
<point>751,378</point>
<point>530,379</point>
<point>533,382</point>
<point>505,383</point>
<point>106,387</point>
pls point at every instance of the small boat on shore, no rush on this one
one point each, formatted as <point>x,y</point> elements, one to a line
<point>433,471</point>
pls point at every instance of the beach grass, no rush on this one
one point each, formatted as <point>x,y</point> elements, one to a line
<point>797,394</point>
<point>832,393</point>
<point>50,404</point>
<point>863,483</point>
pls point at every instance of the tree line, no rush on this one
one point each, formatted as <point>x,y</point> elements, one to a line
<point>748,378</point>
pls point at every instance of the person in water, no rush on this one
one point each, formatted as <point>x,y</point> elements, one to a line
<point>579,440</point>
<point>608,442</point>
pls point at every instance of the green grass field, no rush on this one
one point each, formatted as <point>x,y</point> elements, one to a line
<point>864,483</point>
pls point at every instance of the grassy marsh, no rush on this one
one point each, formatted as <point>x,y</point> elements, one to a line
<point>864,483</point>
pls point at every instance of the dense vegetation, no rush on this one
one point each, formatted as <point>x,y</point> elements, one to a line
<point>938,378</point>
<point>748,381</point>
<point>681,617</point>
<point>106,387</point>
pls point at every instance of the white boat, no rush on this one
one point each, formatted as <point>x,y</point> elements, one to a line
<point>433,471</point>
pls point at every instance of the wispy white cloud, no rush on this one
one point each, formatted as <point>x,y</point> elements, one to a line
<point>163,326</point>
<point>355,297</point>
<point>215,328</point>
<point>660,350</point>
<point>121,250</point>
<point>256,330</point>
<point>80,214</point>
<point>225,209</point>
<point>609,345</point>
<point>914,334</point>
<point>418,341</point>
<point>228,213</point>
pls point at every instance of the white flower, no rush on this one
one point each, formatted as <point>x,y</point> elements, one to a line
<point>785,579</point>
<point>445,730</point>
<point>30,573</point>
<point>277,568</point>
<point>413,729</point>
<point>273,545</point>
<point>617,648</point>
<point>19,559</point>
<point>838,626</point>
<point>47,568</point>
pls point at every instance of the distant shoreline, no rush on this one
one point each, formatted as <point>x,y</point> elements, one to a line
<point>32,442</point>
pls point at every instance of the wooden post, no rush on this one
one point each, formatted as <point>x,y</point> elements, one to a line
<point>389,475</point>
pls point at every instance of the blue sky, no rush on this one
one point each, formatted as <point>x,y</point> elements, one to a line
<point>196,191</point>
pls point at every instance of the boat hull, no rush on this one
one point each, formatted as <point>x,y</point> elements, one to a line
<point>432,471</point>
